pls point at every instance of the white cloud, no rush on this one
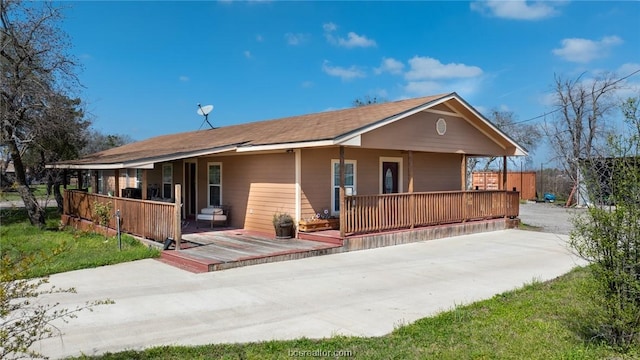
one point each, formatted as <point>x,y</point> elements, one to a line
<point>517,9</point>
<point>628,68</point>
<point>296,39</point>
<point>355,40</point>
<point>247,54</point>
<point>329,27</point>
<point>343,73</point>
<point>259,38</point>
<point>390,65</point>
<point>422,88</point>
<point>424,68</point>
<point>183,78</point>
<point>585,50</point>
<point>307,84</point>
<point>352,40</point>
<point>630,86</point>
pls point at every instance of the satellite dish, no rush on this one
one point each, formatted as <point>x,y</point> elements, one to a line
<point>204,111</point>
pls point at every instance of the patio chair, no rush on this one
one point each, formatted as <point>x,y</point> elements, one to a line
<point>214,214</point>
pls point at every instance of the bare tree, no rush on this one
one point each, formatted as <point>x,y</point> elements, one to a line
<point>35,70</point>
<point>527,135</point>
<point>368,100</point>
<point>578,128</point>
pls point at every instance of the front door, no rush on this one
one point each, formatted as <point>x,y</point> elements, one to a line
<point>390,177</point>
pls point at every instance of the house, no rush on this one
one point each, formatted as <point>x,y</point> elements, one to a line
<point>304,165</point>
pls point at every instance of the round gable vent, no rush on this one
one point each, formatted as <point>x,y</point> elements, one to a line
<point>441,126</point>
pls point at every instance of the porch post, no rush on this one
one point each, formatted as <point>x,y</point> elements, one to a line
<point>64,178</point>
<point>145,185</point>
<point>463,173</point>
<point>177,216</point>
<point>343,213</point>
<point>504,184</point>
<point>412,206</point>
<point>94,186</point>
<point>504,173</point>
<point>117,183</point>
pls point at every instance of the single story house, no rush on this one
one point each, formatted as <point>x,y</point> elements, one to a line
<point>310,164</point>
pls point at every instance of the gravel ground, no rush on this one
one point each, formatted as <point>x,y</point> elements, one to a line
<point>550,217</point>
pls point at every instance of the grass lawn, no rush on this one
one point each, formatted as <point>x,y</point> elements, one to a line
<point>540,321</point>
<point>40,191</point>
<point>80,250</point>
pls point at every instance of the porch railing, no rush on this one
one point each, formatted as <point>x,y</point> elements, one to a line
<point>143,218</point>
<point>370,213</point>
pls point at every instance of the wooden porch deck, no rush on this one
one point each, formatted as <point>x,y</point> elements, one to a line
<point>206,249</point>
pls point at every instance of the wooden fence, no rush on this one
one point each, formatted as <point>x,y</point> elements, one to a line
<point>524,182</point>
<point>371,213</point>
<point>143,218</point>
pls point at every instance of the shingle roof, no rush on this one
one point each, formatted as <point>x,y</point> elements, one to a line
<point>295,129</point>
<point>291,132</point>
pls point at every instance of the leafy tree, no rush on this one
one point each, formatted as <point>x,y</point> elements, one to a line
<point>609,236</point>
<point>97,141</point>
<point>36,73</point>
<point>62,137</point>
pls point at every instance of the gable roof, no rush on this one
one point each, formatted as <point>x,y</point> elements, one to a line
<point>320,129</point>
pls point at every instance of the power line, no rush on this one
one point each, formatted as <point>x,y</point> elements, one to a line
<point>561,107</point>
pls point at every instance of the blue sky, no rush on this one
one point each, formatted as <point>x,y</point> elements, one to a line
<point>145,65</point>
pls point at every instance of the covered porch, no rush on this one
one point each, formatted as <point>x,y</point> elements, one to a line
<point>369,221</point>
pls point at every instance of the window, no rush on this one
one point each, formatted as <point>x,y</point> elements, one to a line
<point>100,182</point>
<point>139,178</point>
<point>349,182</point>
<point>167,181</point>
<point>215,184</point>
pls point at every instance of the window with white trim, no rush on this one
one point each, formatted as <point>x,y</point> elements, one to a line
<point>167,181</point>
<point>349,182</point>
<point>100,189</point>
<point>139,178</point>
<point>214,184</point>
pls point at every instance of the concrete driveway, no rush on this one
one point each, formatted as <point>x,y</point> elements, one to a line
<point>361,293</point>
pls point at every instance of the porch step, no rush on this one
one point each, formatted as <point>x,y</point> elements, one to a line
<point>328,236</point>
<point>184,262</point>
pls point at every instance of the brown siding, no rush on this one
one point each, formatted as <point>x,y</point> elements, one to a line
<point>255,186</point>
<point>436,172</point>
<point>418,133</point>
<point>315,181</point>
<point>432,172</point>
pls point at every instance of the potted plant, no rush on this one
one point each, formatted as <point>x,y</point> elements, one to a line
<point>283,224</point>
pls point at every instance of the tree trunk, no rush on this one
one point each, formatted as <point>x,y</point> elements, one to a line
<point>34,210</point>
<point>58,195</point>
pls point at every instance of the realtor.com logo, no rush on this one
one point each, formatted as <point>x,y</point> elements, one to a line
<point>321,353</point>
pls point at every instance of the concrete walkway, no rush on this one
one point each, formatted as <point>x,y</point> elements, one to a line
<point>360,293</point>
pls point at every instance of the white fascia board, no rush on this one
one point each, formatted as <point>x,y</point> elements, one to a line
<point>100,166</point>
<point>285,146</point>
<point>184,155</point>
<point>353,141</point>
<point>146,163</point>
